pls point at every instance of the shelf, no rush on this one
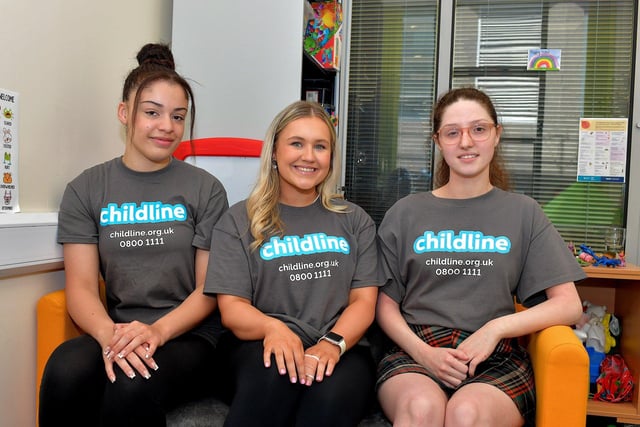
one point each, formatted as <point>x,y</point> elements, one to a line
<point>322,39</point>
<point>629,272</point>
<point>619,289</point>
<point>612,410</point>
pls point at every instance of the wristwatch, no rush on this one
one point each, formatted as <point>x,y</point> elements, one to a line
<point>335,339</point>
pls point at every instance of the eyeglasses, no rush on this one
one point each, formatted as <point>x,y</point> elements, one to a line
<point>452,134</point>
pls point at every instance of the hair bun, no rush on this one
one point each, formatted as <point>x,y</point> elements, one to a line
<point>156,54</point>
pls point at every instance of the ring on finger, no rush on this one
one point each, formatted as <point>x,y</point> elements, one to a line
<point>313,356</point>
<point>309,375</point>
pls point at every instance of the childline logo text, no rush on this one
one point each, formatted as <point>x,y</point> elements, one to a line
<point>465,241</point>
<point>147,212</point>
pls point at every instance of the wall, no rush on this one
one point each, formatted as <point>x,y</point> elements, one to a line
<point>245,59</point>
<point>67,59</point>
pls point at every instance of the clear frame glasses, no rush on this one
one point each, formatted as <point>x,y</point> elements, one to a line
<point>478,132</point>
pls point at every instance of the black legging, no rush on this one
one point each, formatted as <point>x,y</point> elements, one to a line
<point>263,397</point>
<point>75,390</point>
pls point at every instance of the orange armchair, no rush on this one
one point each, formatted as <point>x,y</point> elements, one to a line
<point>561,371</point>
<point>560,363</point>
<point>54,326</point>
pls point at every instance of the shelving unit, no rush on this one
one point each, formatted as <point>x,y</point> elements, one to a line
<point>619,290</point>
<point>322,53</point>
<point>318,80</point>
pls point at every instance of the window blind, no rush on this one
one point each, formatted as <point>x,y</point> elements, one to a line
<point>541,110</point>
<point>391,84</point>
<point>391,89</point>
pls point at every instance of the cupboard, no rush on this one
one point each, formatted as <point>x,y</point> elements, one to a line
<point>619,290</point>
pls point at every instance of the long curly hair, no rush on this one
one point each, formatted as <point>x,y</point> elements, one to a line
<point>262,203</point>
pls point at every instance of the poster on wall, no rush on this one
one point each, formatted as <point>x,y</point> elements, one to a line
<point>9,122</point>
<point>602,150</point>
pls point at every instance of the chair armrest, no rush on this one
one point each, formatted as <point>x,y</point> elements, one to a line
<point>561,370</point>
<point>54,326</point>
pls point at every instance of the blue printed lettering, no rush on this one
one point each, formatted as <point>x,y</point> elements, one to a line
<point>278,247</point>
<point>147,212</point>
<point>465,241</point>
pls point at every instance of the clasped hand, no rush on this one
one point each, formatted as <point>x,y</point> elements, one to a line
<point>454,365</point>
<point>132,347</point>
<point>302,366</point>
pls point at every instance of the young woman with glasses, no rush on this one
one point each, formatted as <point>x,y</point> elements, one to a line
<point>454,259</point>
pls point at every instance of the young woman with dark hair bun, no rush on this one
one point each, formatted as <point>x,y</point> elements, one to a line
<point>142,222</point>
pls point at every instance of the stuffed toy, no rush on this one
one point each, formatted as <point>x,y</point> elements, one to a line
<point>590,328</point>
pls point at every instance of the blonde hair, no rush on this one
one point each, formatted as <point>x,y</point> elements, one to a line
<point>262,203</point>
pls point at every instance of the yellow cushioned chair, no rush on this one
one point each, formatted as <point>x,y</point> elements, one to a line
<point>560,363</point>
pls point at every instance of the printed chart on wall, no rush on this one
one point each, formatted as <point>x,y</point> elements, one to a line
<point>9,185</point>
<point>602,150</point>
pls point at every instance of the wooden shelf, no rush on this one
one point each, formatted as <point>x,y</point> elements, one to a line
<point>628,272</point>
<point>612,410</point>
<point>619,289</point>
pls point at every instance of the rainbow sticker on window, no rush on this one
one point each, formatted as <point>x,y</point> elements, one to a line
<point>544,60</point>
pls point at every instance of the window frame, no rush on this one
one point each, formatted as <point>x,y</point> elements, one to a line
<point>444,55</point>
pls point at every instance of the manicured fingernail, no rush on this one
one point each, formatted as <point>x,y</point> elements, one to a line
<point>106,351</point>
<point>147,375</point>
<point>132,375</point>
<point>112,379</point>
<point>155,366</point>
<point>121,355</point>
<point>293,380</point>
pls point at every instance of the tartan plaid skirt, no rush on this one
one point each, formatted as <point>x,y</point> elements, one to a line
<point>508,368</point>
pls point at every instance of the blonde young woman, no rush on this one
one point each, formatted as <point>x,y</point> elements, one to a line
<point>454,259</point>
<point>295,271</point>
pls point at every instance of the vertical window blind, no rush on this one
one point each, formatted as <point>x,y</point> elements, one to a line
<point>391,86</point>
<point>391,90</point>
<point>541,110</point>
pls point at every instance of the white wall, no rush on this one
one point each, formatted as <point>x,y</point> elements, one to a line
<point>245,58</point>
<point>67,59</point>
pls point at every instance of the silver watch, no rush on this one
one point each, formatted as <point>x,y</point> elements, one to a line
<point>335,339</point>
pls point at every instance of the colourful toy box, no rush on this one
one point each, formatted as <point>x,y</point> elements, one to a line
<point>323,34</point>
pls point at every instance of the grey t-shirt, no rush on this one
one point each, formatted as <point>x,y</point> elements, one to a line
<point>303,277</point>
<point>147,227</point>
<point>458,263</point>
